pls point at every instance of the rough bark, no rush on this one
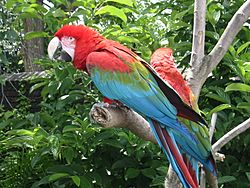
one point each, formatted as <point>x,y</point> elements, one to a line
<point>113,116</point>
<point>198,42</point>
<point>34,48</point>
<point>172,180</point>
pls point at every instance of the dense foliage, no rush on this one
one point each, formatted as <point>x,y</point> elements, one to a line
<point>59,147</point>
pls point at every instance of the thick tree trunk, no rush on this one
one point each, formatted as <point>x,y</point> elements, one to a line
<point>34,48</point>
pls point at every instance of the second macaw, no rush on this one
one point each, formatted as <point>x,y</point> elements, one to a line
<point>163,62</point>
<point>121,75</point>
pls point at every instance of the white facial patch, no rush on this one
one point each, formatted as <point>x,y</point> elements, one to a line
<point>68,45</point>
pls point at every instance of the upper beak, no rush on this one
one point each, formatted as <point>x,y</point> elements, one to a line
<point>53,47</point>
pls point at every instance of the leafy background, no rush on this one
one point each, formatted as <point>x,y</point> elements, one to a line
<point>59,147</point>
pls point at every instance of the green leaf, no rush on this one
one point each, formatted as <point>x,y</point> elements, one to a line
<point>84,182</point>
<point>3,124</point>
<point>216,16</point>
<point>122,163</point>
<point>21,132</point>
<point>216,97</point>
<point>35,34</point>
<point>68,153</point>
<point>149,172</point>
<point>59,13</point>
<point>38,85</point>
<point>248,175</point>
<point>44,180</point>
<point>57,176</point>
<point>38,156</point>
<point>76,180</point>
<point>132,173</point>
<point>113,11</point>
<point>246,66</point>
<point>124,2</point>
<point>226,179</point>
<point>212,35</point>
<point>238,87</point>
<point>128,39</point>
<point>219,108</point>
<point>245,105</point>
<point>113,143</point>
<point>69,128</point>
<point>158,181</point>
<point>242,47</point>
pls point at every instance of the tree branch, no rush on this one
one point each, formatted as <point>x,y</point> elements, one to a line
<point>201,69</point>
<point>198,33</point>
<point>113,116</point>
<point>212,126</point>
<point>198,43</point>
<point>226,39</point>
<point>231,134</point>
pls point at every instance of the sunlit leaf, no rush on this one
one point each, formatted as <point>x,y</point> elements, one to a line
<point>238,87</point>
<point>219,108</point>
<point>57,176</point>
<point>243,47</point>
<point>113,11</point>
<point>124,2</point>
<point>76,180</point>
<point>35,34</point>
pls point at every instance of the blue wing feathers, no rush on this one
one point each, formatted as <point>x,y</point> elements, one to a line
<point>143,94</point>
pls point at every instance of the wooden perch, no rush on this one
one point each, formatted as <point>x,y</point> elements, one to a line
<point>121,117</point>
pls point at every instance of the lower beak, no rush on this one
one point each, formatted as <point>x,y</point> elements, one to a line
<point>55,51</point>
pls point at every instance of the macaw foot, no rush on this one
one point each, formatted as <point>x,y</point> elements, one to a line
<point>115,103</point>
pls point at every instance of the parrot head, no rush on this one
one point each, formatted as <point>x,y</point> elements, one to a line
<point>74,43</point>
<point>163,56</point>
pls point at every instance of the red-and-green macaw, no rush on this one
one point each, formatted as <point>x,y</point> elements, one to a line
<point>121,75</point>
<point>163,62</point>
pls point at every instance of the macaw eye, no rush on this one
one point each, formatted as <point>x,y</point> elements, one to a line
<point>71,39</point>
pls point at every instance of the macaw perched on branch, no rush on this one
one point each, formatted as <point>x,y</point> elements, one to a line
<point>163,62</point>
<point>121,75</point>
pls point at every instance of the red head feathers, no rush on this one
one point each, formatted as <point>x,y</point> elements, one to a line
<point>78,41</point>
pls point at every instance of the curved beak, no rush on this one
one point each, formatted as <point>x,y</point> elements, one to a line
<point>54,47</point>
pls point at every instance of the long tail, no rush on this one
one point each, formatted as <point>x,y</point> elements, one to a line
<point>193,167</point>
<point>167,142</point>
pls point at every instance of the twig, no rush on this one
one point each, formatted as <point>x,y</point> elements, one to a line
<point>212,127</point>
<point>231,134</point>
